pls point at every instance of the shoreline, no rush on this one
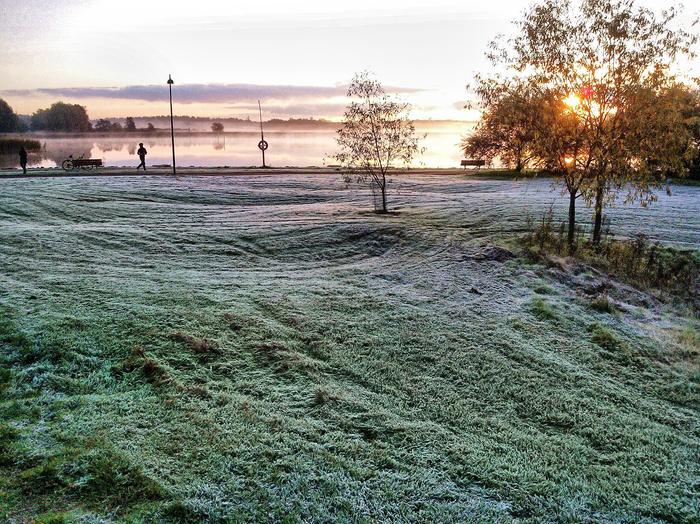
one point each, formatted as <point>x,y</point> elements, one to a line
<point>123,171</point>
<point>233,171</point>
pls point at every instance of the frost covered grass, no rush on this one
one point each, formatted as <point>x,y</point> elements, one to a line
<point>264,349</point>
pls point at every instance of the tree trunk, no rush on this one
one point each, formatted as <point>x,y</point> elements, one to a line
<point>384,209</point>
<point>572,221</point>
<point>598,220</point>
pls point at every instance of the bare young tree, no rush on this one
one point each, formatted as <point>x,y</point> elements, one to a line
<point>376,134</point>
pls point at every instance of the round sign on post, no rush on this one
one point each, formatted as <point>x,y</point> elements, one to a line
<point>262,145</point>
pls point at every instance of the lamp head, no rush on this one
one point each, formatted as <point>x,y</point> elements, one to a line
<point>170,80</point>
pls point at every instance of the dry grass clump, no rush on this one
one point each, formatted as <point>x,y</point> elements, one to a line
<point>200,346</point>
<point>198,391</point>
<point>235,321</point>
<point>154,372</point>
<point>272,349</point>
<point>323,396</point>
<point>151,369</point>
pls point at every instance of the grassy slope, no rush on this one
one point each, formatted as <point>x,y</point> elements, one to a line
<point>347,370</point>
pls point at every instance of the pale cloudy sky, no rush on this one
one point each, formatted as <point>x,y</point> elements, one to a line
<point>114,56</point>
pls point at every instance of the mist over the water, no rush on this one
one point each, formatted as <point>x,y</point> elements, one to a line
<point>235,149</point>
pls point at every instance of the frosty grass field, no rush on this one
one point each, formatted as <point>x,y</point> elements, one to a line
<point>264,348</point>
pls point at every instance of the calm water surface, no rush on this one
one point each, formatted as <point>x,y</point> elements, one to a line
<point>295,148</point>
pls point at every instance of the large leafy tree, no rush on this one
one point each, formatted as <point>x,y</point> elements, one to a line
<point>507,126</point>
<point>602,70</point>
<point>8,119</point>
<point>690,102</point>
<point>376,134</point>
<point>62,117</point>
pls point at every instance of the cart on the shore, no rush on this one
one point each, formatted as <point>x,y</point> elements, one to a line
<point>86,164</point>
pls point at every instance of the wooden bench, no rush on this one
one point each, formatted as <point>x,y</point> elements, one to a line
<point>477,163</point>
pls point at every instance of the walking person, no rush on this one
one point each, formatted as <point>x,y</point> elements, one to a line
<point>141,152</point>
<point>23,159</point>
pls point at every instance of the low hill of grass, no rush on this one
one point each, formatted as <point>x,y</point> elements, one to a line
<point>259,349</point>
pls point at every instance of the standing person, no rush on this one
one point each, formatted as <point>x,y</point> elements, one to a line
<point>23,159</point>
<point>142,155</point>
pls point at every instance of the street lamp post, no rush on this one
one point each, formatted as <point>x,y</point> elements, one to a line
<point>172,125</point>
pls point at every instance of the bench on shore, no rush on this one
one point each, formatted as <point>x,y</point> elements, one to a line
<point>81,163</point>
<point>477,163</point>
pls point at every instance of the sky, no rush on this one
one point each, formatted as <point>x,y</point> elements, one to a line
<point>114,57</point>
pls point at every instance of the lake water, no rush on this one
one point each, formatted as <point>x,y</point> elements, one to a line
<point>295,148</point>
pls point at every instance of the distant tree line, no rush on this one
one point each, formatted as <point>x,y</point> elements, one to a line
<point>104,125</point>
<point>69,118</point>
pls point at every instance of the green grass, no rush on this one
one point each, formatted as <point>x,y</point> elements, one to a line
<point>252,349</point>
<point>543,309</point>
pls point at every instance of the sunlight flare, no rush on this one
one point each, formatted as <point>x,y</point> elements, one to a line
<point>572,101</point>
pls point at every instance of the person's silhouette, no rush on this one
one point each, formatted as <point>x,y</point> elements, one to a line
<point>23,159</point>
<point>142,155</point>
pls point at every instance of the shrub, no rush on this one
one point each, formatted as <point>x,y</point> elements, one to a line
<point>8,437</point>
<point>543,310</point>
<point>637,261</point>
<point>42,478</point>
<point>12,145</point>
<point>604,337</point>
<point>92,472</point>
<point>5,379</point>
<point>52,518</point>
<point>105,475</point>
<point>178,512</point>
<point>602,304</point>
<point>543,289</point>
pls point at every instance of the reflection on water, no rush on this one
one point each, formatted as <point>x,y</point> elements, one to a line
<point>297,148</point>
